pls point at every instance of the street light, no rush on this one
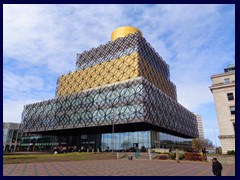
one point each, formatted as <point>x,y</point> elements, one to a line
<point>112,135</point>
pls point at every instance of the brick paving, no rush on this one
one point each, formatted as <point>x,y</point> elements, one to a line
<point>121,167</point>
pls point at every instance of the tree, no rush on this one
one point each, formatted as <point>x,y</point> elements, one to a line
<point>104,146</point>
<point>126,145</point>
<point>198,144</point>
<point>218,150</point>
<point>208,144</point>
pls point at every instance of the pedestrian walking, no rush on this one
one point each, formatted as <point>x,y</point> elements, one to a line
<point>216,167</point>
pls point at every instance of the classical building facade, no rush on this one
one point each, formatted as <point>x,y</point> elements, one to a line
<point>223,90</point>
<point>11,137</point>
<point>120,94</point>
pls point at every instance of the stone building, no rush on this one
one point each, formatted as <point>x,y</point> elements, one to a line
<point>223,90</point>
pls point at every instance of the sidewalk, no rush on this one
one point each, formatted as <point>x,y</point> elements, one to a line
<point>115,168</point>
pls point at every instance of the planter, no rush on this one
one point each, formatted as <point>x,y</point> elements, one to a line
<point>193,156</point>
<point>163,156</point>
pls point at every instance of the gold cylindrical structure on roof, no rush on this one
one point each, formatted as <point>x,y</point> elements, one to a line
<point>124,31</point>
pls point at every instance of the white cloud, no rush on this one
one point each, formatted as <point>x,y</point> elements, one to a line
<point>23,83</point>
<point>12,109</point>
<point>193,95</point>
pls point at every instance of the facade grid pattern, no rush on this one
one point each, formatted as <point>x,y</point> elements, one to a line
<point>124,81</point>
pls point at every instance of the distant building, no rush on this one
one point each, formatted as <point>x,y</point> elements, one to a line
<point>200,126</point>
<point>11,137</point>
<point>223,89</point>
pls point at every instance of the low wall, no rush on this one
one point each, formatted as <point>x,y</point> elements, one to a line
<point>224,159</point>
<point>164,150</point>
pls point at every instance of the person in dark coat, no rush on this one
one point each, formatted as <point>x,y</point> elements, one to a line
<point>204,153</point>
<point>216,167</point>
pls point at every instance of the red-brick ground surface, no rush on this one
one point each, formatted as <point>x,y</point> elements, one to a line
<point>121,167</point>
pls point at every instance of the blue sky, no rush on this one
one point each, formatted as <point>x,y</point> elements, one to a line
<point>40,43</point>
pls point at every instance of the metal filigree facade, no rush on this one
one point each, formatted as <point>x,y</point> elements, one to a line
<point>124,81</point>
<point>117,70</point>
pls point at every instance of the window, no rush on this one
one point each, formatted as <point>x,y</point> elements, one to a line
<point>230,96</point>
<point>232,110</point>
<point>234,126</point>
<point>227,81</point>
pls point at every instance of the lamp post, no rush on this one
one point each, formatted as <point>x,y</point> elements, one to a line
<point>215,140</point>
<point>112,135</point>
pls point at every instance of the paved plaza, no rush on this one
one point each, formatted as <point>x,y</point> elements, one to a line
<point>115,168</point>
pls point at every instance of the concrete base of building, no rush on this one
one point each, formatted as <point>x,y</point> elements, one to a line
<point>224,159</point>
<point>227,144</point>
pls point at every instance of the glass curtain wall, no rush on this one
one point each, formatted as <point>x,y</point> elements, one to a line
<point>38,143</point>
<point>168,141</point>
<point>123,141</point>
